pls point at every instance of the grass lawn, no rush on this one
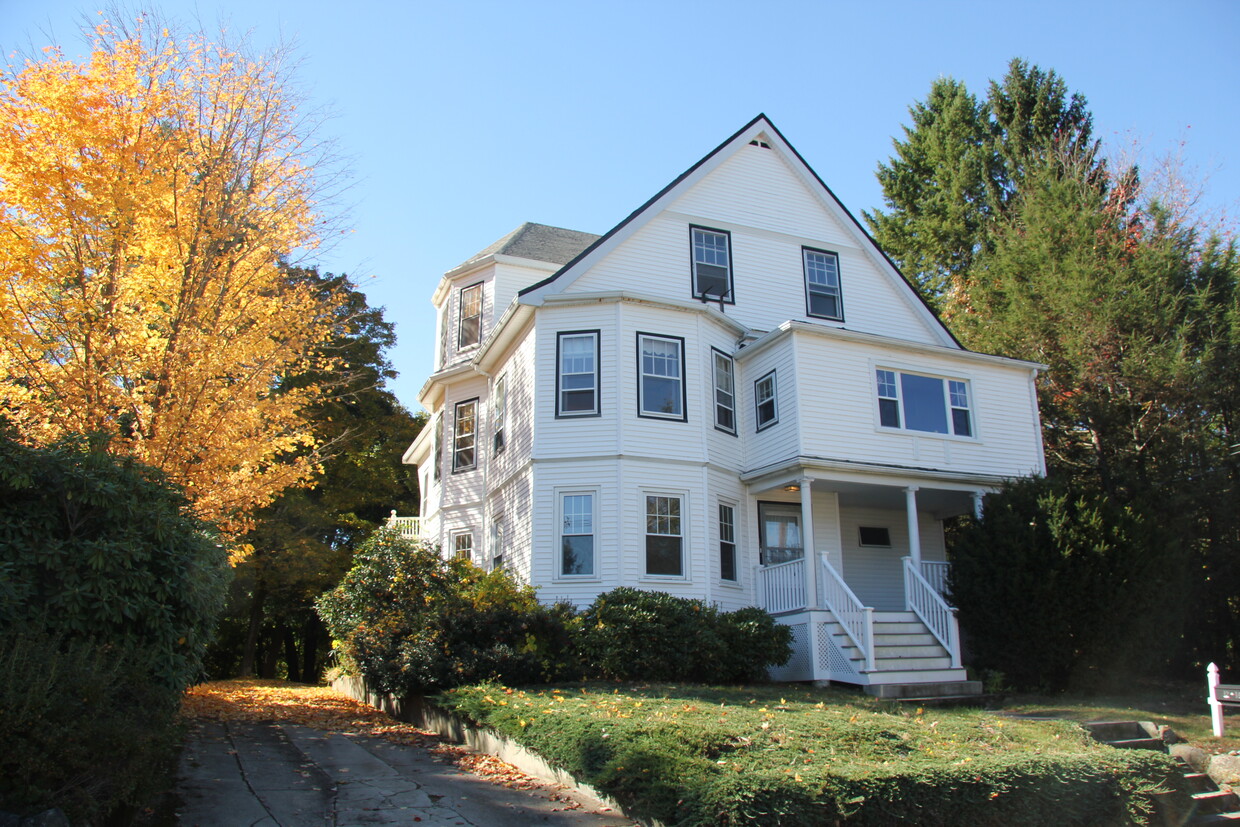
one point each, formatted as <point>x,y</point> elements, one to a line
<point>694,755</point>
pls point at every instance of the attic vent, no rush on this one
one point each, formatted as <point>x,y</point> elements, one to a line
<point>763,144</point>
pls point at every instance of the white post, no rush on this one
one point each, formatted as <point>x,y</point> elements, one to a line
<point>807,541</point>
<point>914,533</point>
<point>1216,707</point>
<point>977,505</point>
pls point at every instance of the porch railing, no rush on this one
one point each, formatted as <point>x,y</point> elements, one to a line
<point>407,526</point>
<point>856,618</point>
<point>932,609</point>
<point>935,572</point>
<point>781,587</point>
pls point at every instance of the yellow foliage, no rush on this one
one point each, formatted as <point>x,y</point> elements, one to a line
<point>147,199</point>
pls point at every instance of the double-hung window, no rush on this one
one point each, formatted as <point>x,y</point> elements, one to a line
<point>463,545</point>
<point>727,542</point>
<point>823,299</point>
<point>469,332</point>
<point>497,542</point>
<point>465,436</point>
<point>923,403</point>
<point>499,412</point>
<point>437,449</point>
<point>661,386</point>
<point>725,392</point>
<point>577,534</point>
<point>664,536</point>
<point>712,264</point>
<point>765,410</point>
<point>577,385</point>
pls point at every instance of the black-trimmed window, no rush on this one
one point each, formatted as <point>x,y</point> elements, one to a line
<point>661,376</point>
<point>929,404</point>
<point>465,436</point>
<point>469,329</point>
<point>727,542</point>
<point>823,298</point>
<point>499,413</point>
<point>725,391</point>
<point>712,264</point>
<point>576,376</point>
<point>577,534</point>
<point>664,535</point>
<point>766,412</point>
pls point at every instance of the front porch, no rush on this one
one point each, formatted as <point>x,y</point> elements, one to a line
<point>902,639</point>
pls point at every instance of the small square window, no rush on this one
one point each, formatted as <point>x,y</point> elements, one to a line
<point>463,546</point>
<point>874,536</point>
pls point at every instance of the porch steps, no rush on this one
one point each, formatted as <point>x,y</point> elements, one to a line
<point>908,660</point>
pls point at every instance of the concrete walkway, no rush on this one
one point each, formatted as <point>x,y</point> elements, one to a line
<point>236,774</point>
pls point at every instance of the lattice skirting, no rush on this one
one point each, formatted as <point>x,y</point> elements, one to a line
<point>800,667</point>
<point>833,656</point>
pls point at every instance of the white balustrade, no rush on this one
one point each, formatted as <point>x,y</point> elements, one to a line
<point>781,587</point>
<point>410,527</point>
<point>935,572</point>
<point>932,609</point>
<point>856,618</point>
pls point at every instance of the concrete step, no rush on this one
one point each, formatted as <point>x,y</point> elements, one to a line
<point>1215,802</point>
<point>1108,731</point>
<point>1199,782</point>
<point>1205,819</point>
<point>1155,744</point>
<point>927,692</point>
<point>917,676</point>
<point>883,664</point>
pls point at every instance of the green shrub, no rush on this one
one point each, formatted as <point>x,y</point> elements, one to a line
<point>633,634</point>
<point>413,621</point>
<point>85,728</point>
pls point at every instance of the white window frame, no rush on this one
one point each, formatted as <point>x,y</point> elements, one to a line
<point>642,375</point>
<point>682,523</point>
<point>499,415</point>
<point>735,579</point>
<point>890,401</point>
<point>461,318</point>
<point>718,359</point>
<point>816,288</point>
<point>760,398</point>
<point>465,441</point>
<point>456,538</point>
<point>497,543</point>
<point>562,520</point>
<point>703,253</point>
<point>595,409</point>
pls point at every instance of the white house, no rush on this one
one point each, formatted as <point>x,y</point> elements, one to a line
<point>732,395</point>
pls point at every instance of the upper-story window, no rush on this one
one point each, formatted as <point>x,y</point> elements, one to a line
<point>576,378</point>
<point>725,392</point>
<point>437,447</point>
<point>765,410</point>
<point>443,336</point>
<point>470,330</point>
<point>923,403</point>
<point>712,264</point>
<point>465,436</point>
<point>499,413</point>
<point>822,284</point>
<point>661,389</point>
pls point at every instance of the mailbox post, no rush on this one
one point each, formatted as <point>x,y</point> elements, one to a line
<point>1220,695</point>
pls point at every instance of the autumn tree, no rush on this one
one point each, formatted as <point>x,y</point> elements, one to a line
<point>148,198</point>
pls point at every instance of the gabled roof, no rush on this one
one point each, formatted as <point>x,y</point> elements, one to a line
<point>538,242</point>
<point>773,139</point>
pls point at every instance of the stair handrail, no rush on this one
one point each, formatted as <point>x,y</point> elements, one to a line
<point>924,601</point>
<point>855,618</point>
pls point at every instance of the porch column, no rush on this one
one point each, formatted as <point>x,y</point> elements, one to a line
<point>807,540</point>
<point>977,505</point>
<point>914,534</point>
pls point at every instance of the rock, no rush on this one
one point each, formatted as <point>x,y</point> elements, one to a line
<point>1225,769</point>
<point>1169,736</point>
<point>1196,758</point>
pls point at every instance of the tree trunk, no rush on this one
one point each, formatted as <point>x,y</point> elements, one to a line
<point>311,634</point>
<point>256,621</point>
<point>290,653</point>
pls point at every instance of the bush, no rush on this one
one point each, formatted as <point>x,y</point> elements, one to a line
<point>108,593</point>
<point>631,634</point>
<point>414,622</point>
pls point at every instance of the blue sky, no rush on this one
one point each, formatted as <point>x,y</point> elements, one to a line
<point>465,119</point>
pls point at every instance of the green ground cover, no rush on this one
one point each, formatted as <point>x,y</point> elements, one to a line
<point>790,755</point>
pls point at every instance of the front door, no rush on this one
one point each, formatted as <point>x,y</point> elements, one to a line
<point>779,530</point>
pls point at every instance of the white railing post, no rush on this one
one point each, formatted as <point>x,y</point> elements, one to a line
<point>869,639</point>
<point>1216,706</point>
<point>931,609</point>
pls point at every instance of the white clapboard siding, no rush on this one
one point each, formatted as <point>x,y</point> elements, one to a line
<point>875,574</point>
<point>780,441</point>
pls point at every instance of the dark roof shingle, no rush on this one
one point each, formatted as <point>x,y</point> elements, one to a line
<point>538,242</point>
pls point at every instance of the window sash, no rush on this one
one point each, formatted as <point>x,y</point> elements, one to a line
<point>712,264</point>
<point>822,284</point>
<point>577,535</point>
<point>664,538</point>
<point>463,546</point>
<point>662,381</point>
<point>499,412</point>
<point>727,542</point>
<point>464,436</point>
<point>764,401</point>
<point>926,404</point>
<point>725,393</point>
<point>469,331</point>
<point>577,374</point>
